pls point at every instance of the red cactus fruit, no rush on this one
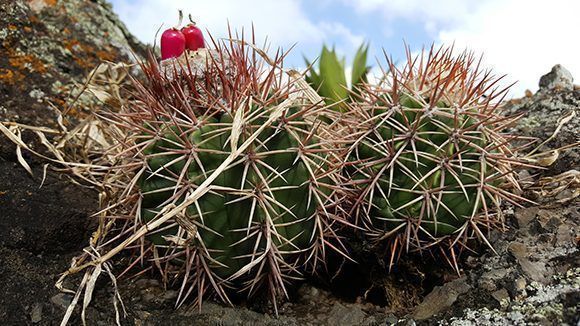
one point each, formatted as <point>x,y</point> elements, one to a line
<point>172,43</point>
<point>193,37</point>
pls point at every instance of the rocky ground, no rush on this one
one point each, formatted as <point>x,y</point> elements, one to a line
<point>48,47</point>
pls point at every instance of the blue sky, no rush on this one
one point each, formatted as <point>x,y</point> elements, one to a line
<point>520,38</point>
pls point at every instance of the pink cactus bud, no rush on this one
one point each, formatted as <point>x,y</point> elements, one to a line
<point>193,37</point>
<point>172,43</point>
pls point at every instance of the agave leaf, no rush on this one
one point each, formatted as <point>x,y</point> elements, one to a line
<point>312,77</point>
<point>359,67</point>
<point>333,83</point>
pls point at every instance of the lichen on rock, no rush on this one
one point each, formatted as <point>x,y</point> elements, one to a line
<point>49,46</point>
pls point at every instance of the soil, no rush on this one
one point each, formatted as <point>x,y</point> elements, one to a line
<point>532,278</point>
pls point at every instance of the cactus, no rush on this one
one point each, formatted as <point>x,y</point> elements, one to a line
<point>268,216</point>
<point>428,162</point>
<point>330,79</point>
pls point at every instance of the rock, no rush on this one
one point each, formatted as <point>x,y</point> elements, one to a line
<point>542,114</point>
<point>341,315</point>
<point>534,270</point>
<point>546,306</point>
<point>502,296</point>
<point>47,48</point>
<point>488,280</point>
<point>526,215</point>
<point>520,285</point>
<point>36,313</point>
<point>391,319</point>
<point>548,221</point>
<point>308,292</point>
<point>54,218</point>
<point>62,300</point>
<point>557,79</point>
<point>441,298</point>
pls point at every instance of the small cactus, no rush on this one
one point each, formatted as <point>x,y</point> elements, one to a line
<point>428,162</point>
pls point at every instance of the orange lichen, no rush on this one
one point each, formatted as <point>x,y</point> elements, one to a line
<point>81,52</point>
<point>58,101</point>
<point>71,44</point>
<point>10,77</point>
<point>87,56</point>
<point>105,55</point>
<point>27,62</point>
<point>33,19</point>
<point>12,27</point>
<point>39,5</point>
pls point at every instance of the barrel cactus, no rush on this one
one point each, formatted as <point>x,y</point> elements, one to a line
<point>428,162</point>
<point>267,216</point>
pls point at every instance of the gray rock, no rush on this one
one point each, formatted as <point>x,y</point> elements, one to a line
<point>534,270</point>
<point>520,285</point>
<point>62,300</point>
<point>546,307</point>
<point>441,298</point>
<point>559,79</point>
<point>526,215</point>
<point>36,313</point>
<point>490,278</point>
<point>541,116</point>
<point>502,296</point>
<point>342,315</point>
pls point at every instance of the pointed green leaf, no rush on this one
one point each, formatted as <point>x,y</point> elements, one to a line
<point>332,76</point>
<point>312,77</point>
<point>359,66</point>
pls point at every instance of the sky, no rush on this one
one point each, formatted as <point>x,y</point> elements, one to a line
<point>521,39</point>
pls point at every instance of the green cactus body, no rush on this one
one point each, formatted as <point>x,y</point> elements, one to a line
<point>429,157</point>
<point>227,217</point>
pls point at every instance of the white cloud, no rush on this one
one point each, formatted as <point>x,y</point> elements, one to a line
<point>338,29</point>
<point>283,19</point>
<point>523,39</point>
<point>520,38</point>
